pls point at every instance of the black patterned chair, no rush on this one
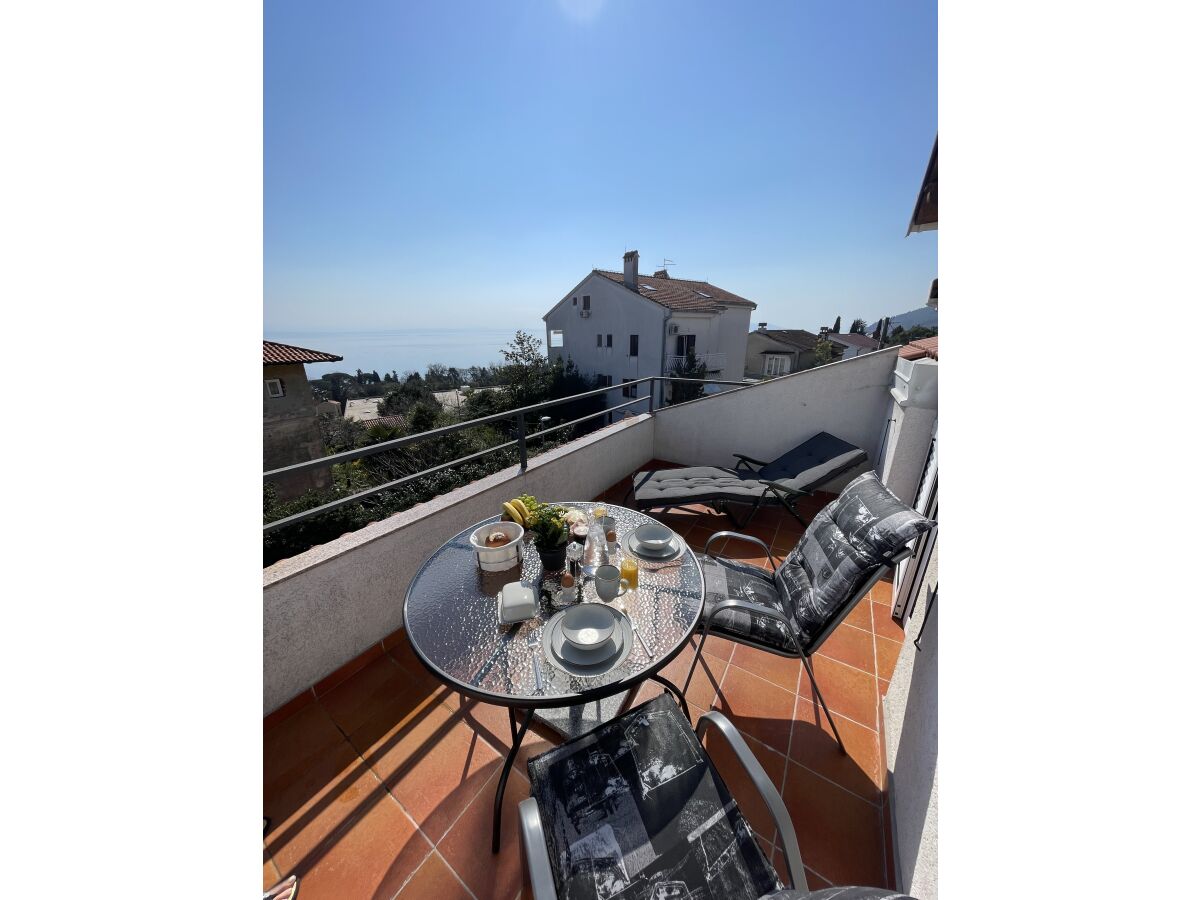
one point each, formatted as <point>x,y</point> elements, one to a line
<point>635,810</point>
<point>782,481</point>
<point>791,610</point>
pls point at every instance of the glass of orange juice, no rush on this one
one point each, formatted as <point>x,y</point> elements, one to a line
<point>629,571</point>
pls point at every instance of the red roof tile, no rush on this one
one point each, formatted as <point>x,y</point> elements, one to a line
<point>920,349</point>
<point>682,294</point>
<point>285,354</point>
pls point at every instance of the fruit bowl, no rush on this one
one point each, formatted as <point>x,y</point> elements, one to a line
<point>497,558</point>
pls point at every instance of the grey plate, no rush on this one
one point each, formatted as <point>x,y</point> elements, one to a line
<point>677,548</point>
<point>551,637</point>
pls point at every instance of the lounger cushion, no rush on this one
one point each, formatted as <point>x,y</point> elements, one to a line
<point>817,460</point>
<point>725,578</point>
<point>672,487</point>
<point>635,809</point>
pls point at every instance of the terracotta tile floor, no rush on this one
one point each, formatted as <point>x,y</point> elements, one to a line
<point>383,786</point>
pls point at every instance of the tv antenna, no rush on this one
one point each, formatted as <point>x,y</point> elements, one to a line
<point>667,262</point>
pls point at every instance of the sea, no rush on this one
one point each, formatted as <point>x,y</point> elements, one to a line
<point>404,350</point>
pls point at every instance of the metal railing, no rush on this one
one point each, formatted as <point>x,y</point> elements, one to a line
<point>521,443</point>
<point>712,360</point>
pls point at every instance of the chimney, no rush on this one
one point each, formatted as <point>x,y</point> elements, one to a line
<point>762,326</point>
<point>631,270</point>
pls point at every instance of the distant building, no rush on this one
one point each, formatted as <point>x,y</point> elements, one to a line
<point>364,409</point>
<point>853,344</point>
<point>290,430</point>
<point>778,351</point>
<point>622,326</point>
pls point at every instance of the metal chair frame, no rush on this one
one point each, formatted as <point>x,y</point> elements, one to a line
<point>533,836</point>
<point>804,654</point>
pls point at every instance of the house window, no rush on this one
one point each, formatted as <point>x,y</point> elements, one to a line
<point>631,390</point>
<point>587,301</point>
<point>608,340</point>
<point>556,338</point>
<point>274,387</point>
<point>574,301</point>
<point>599,340</point>
<point>684,343</point>
<point>633,345</point>
<point>776,364</point>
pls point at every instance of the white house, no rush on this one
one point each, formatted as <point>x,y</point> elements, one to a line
<point>853,344</point>
<point>625,325</point>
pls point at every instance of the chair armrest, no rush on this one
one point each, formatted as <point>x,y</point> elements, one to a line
<point>784,491</point>
<point>791,849</point>
<point>748,461</point>
<point>541,878</point>
<point>743,537</point>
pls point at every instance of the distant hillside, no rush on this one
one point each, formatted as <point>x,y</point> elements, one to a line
<point>924,315</point>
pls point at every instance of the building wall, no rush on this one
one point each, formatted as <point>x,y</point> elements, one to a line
<point>733,324</point>
<point>759,346</point>
<point>910,721</point>
<point>290,430</point>
<point>849,399</point>
<point>615,311</point>
<point>327,605</point>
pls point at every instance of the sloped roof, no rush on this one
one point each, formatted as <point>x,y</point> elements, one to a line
<point>285,354</point>
<point>853,340</point>
<point>682,294</point>
<point>796,337</point>
<point>920,349</point>
<point>925,214</point>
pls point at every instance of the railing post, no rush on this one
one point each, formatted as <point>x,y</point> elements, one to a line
<point>653,387</point>
<point>521,441</point>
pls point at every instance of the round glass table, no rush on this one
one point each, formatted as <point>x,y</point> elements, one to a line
<point>451,618</point>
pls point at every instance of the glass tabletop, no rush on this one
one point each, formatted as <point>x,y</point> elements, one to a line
<point>451,609</point>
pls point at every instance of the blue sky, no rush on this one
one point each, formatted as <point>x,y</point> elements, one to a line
<point>460,164</point>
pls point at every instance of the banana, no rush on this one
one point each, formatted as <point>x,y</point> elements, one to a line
<point>514,513</point>
<point>521,508</point>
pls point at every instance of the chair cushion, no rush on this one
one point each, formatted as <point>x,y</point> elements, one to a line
<point>874,519</point>
<point>724,578</point>
<point>837,893</point>
<point>829,566</point>
<point>817,460</point>
<point>635,809</point>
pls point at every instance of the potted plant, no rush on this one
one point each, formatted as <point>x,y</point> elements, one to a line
<point>549,529</point>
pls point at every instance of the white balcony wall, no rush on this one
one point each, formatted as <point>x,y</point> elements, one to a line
<point>331,603</point>
<point>910,726</point>
<point>848,399</point>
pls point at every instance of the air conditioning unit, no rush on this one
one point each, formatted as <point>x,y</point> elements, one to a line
<point>672,329</point>
<point>584,313</point>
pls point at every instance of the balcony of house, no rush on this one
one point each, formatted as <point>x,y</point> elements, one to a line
<point>379,779</point>
<point>715,362</point>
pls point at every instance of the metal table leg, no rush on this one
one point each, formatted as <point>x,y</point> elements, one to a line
<point>518,736</point>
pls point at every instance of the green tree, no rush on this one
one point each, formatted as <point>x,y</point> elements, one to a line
<point>822,352</point>
<point>688,367</point>
<point>837,325</point>
<point>858,326</point>
<point>905,336</point>
<point>526,372</point>
<point>399,400</point>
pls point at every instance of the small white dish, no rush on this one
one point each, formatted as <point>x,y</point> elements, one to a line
<point>589,665</point>
<point>653,537</point>
<point>518,603</point>
<point>674,549</point>
<point>588,626</point>
<point>502,557</point>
